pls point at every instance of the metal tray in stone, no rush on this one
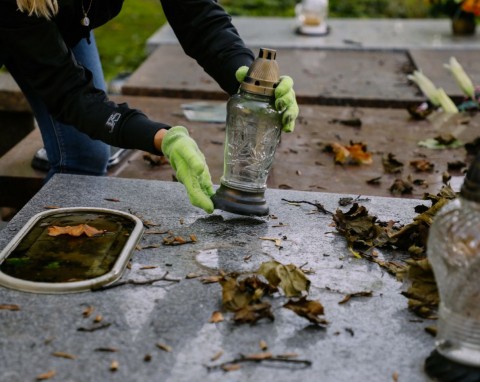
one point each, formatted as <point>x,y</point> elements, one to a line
<point>40,260</point>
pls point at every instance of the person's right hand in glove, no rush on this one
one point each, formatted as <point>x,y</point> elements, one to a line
<point>191,168</point>
<point>285,100</point>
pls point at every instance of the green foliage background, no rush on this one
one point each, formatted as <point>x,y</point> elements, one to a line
<point>121,42</point>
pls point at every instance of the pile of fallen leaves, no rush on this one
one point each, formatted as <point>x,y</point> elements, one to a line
<point>245,296</point>
<point>422,292</point>
<point>364,233</point>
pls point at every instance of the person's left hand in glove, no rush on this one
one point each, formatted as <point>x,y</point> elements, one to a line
<point>285,100</point>
<point>189,163</point>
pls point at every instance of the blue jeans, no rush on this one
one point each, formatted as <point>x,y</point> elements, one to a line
<point>69,150</point>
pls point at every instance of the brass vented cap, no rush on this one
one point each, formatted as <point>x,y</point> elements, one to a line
<point>262,77</point>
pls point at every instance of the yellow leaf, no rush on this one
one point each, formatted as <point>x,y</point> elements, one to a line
<point>231,367</point>
<point>216,317</point>
<point>47,375</point>
<point>217,355</point>
<point>278,242</point>
<point>259,356</point>
<point>63,355</point>
<point>88,311</point>
<point>164,347</point>
<point>288,277</point>
<point>114,365</point>
<point>76,230</point>
<point>263,345</point>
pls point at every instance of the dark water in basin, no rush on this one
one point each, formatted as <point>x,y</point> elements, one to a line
<point>43,258</point>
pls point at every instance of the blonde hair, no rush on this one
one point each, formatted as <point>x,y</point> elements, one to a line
<point>41,8</point>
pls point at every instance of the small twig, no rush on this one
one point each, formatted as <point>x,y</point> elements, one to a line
<point>360,199</point>
<point>242,358</point>
<point>94,328</point>
<point>319,206</point>
<point>134,282</point>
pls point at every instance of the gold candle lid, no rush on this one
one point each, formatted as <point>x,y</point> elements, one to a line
<point>262,77</point>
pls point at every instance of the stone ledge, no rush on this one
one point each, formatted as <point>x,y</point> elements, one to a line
<point>382,34</point>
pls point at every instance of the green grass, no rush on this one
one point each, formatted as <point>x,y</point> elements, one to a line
<point>122,41</point>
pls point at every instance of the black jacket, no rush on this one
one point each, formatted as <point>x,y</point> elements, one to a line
<point>38,50</point>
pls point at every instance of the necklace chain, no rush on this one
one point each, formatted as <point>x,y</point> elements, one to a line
<point>85,21</point>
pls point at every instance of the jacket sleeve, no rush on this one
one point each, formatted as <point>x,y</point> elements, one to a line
<point>206,34</point>
<point>36,49</point>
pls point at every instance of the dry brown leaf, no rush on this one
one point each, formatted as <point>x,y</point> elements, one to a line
<point>112,200</point>
<point>211,279</point>
<point>164,347</point>
<point>88,311</point>
<point>157,232</point>
<point>114,365</point>
<point>359,227</point>
<point>309,309</point>
<point>422,165</point>
<point>231,367</point>
<point>237,294</point>
<point>216,356</point>
<point>374,181</point>
<point>94,328</point>
<point>148,267</point>
<point>12,307</point>
<point>47,375</point>
<point>356,153</point>
<point>391,165</point>
<point>258,356</point>
<point>150,246</point>
<point>287,355</point>
<point>349,296</point>
<point>98,318</point>
<point>253,313</point>
<point>359,154</point>
<point>401,187</point>
<point>105,349</point>
<point>63,355</point>
<point>216,317</point>
<point>432,330</point>
<point>178,240</point>
<point>263,345</point>
<point>289,278</point>
<point>277,241</point>
<point>191,275</point>
<point>422,293</point>
<point>51,207</point>
<point>76,230</point>
<point>395,377</point>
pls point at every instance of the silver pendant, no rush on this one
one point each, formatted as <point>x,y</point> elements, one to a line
<point>85,21</point>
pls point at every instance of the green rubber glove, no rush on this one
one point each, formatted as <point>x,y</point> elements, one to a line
<point>189,163</point>
<point>285,100</point>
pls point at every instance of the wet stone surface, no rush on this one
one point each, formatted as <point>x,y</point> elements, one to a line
<point>367,339</point>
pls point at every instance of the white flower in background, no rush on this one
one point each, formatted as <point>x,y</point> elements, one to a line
<point>446,102</point>
<point>461,77</point>
<point>426,86</point>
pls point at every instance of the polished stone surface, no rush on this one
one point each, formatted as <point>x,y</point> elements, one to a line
<point>367,339</point>
<point>384,34</point>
